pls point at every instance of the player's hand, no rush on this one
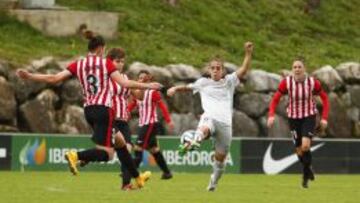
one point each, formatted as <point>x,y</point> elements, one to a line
<point>23,74</point>
<point>270,121</point>
<point>248,46</point>
<point>323,124</point>
<point>171,92</point>
<point>155,85</point>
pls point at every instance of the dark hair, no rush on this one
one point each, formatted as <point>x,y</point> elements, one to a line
<point>94,41</point>
<point>116,53</point>
<point>144,72</point>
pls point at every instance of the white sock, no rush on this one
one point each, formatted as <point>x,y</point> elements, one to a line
<point>218,170</point>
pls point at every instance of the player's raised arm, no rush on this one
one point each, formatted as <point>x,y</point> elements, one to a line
<point>241,72</point>
<point>47,78</point>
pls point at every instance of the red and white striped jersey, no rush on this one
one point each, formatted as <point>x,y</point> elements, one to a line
<point>147,108</point>
<point>93,72</point>
<point>301,96</point>
<point>120,100</point>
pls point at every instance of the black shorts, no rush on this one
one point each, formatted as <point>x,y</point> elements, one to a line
<point>304,127</point>
<point>123,127</point>
<point>147,136</point>
<point>100,118</point>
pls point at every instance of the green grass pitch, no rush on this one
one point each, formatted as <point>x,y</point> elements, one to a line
<point>183,188</point>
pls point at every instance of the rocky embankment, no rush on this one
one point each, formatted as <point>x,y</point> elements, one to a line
<point>41,108</point>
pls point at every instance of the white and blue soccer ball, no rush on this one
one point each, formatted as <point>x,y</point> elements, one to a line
<point>187,137</point>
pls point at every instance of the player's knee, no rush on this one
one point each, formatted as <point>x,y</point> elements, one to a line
<point>119,141</point>
<point>205,130</point>
<point>220,156</point>
<point>305,147</point>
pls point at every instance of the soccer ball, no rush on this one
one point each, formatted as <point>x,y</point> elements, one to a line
<point>187,137</point>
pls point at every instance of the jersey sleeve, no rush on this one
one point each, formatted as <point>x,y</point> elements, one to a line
<point>232,79</point>
<point>165,111</point>
<point>317,87</point>
<point>131,105</point>
<point>276,98</point>
<point>318,90</point>
<point>72,67</point>
<point>110,66</point>
<point>196,86</point>
<point>282,87</point>
<point>156,96</point>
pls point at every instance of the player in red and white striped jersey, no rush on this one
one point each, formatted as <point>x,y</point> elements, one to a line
<point>301,90</point>
<point>120,103</point>
<point>94,74</point>
<point>147,102</point>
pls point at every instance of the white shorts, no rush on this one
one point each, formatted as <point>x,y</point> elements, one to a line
<point>221,133</point>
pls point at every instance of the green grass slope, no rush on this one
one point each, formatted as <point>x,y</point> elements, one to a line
<point>194,31</point>
<point>184,188</point>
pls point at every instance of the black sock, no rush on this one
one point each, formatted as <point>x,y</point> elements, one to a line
<point>93,155</point>
<point>126,176</point>
<point>126,160</point>
<point>138,158</point>
<point>300,158</point>
<point>307,158</point>
<point>159,158</point>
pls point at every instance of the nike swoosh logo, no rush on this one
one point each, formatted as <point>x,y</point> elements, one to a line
<point>272,167</point>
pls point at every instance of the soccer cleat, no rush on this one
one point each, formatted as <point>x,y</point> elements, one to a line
<point>128,187</point>
<point>189,146</point>
<point>311,175</point>
<point>166,176</point>
<point>212,185</point>
<point>182,149</point>
<point>305,183</point>
<point>143,177</point>
<point>72,160</point>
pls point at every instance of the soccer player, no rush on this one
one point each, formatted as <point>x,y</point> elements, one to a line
<point>120,104</point>
<point>216,95</point>
<point>147,102</point>
<point>301,111</point>
<point>94,73</point>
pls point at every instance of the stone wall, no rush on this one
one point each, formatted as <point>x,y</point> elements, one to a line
<point>36,107</point>
<point>61,23</point>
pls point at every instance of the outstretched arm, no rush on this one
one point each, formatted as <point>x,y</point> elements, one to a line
<point>47,78</point>
<point>241,72</point>
<point>121,80</point>
<point>171,92</point>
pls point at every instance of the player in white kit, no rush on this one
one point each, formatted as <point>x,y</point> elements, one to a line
<point>216,93</point>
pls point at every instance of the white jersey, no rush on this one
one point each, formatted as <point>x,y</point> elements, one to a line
<point>217,96</point>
